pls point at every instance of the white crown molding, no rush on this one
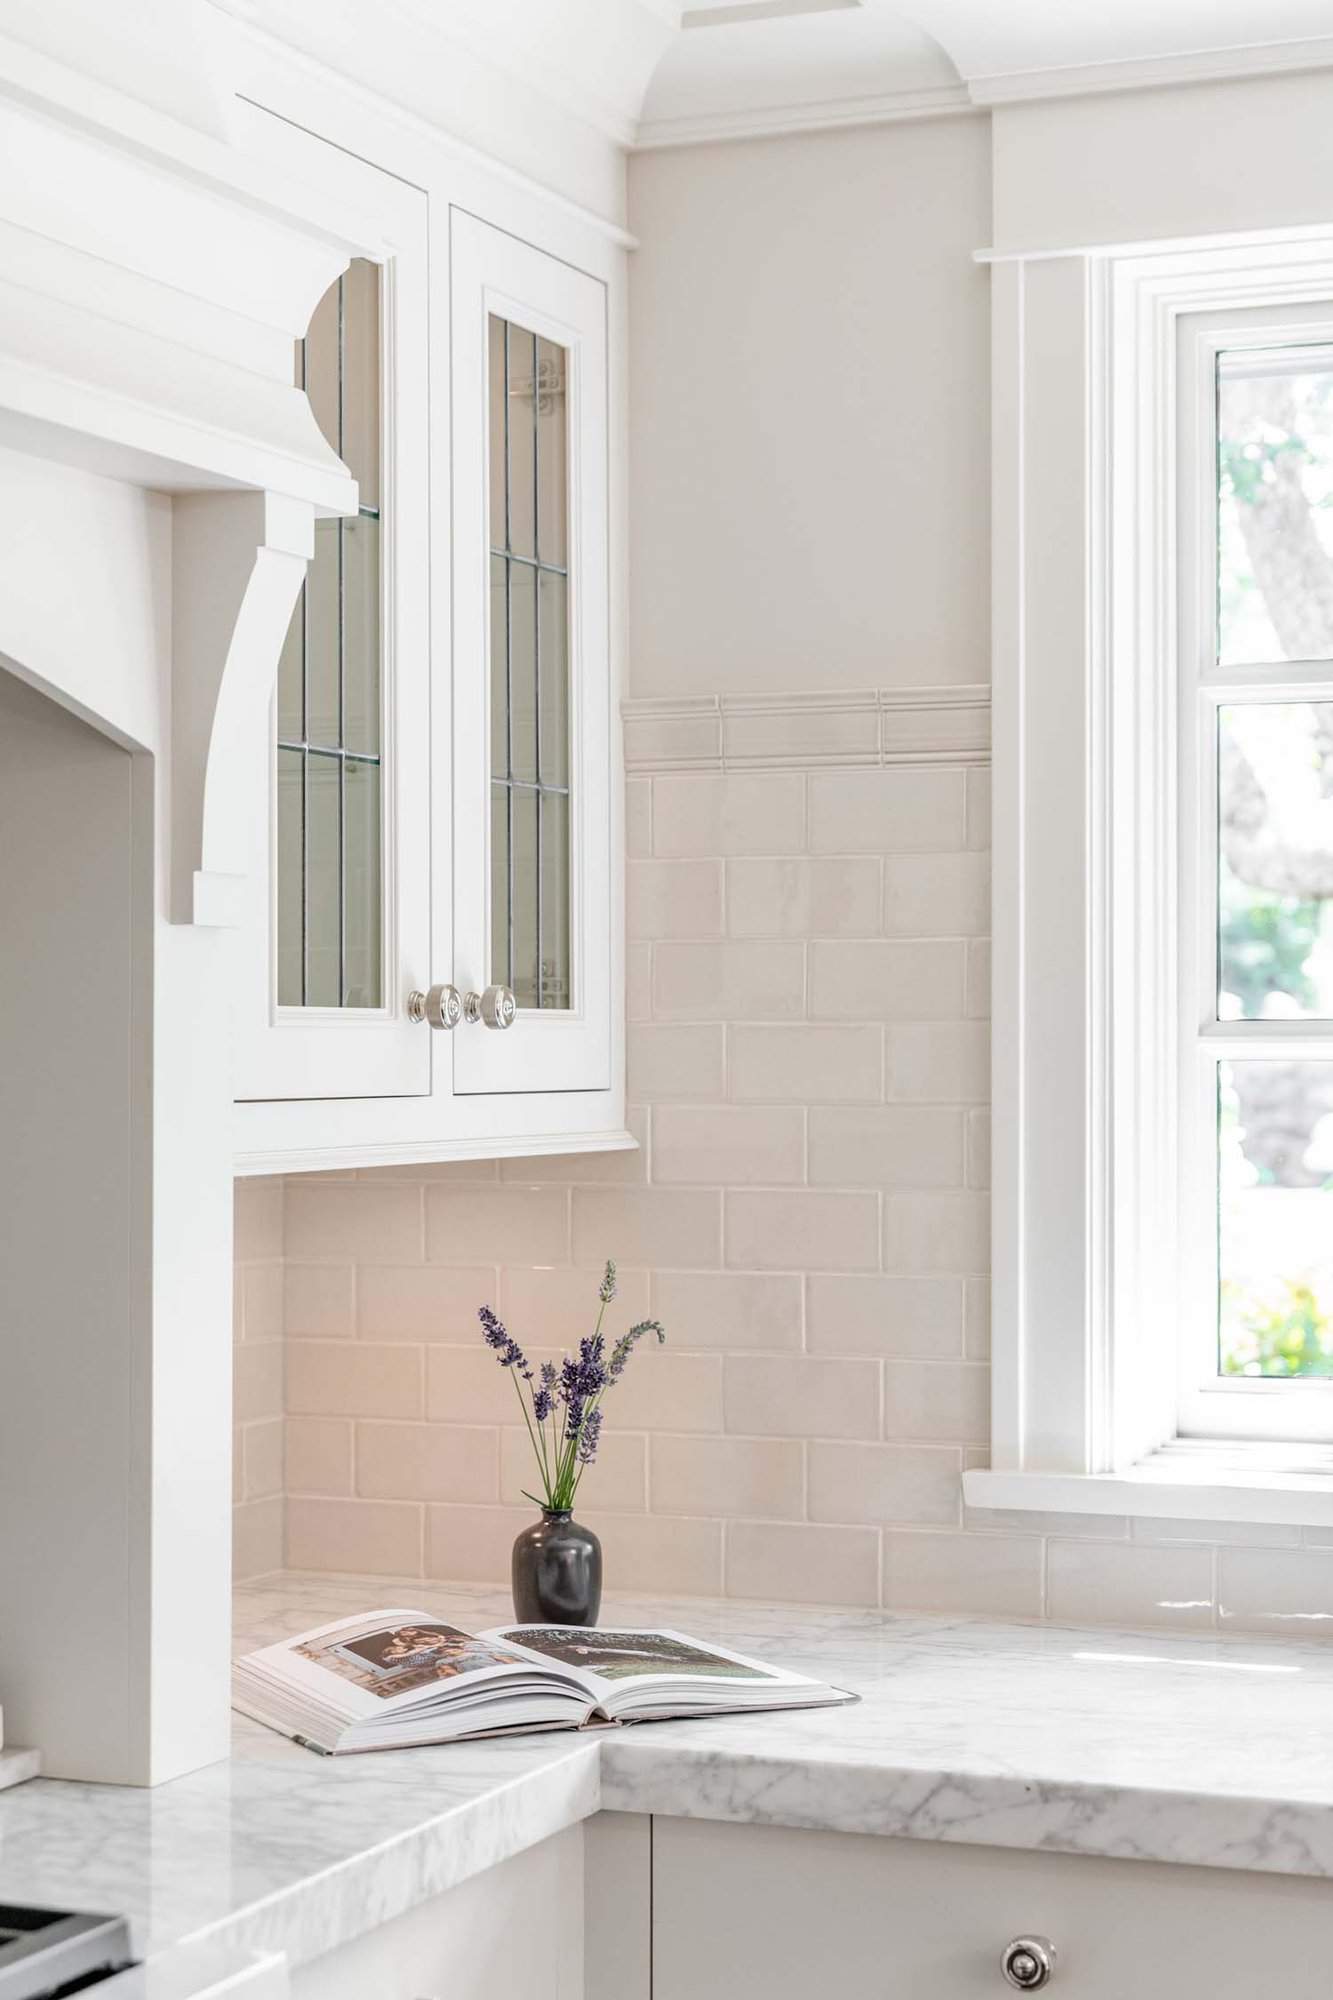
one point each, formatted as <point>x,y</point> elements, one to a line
<point>748,732</point>
<point>775,121</point>
<point>1152,72</point>
<point>392,113</point>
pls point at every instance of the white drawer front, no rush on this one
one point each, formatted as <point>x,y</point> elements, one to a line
<point>761,1913</point>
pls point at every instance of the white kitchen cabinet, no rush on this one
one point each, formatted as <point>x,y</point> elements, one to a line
<point>507,1934</point>
<point>765,1913</point>
<point>432,959</point>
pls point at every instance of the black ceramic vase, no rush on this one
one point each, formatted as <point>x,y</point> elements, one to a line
<point>557,1572</point>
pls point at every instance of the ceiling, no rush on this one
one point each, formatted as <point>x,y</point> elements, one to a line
<point>738,66</point>
<point>674,72</point>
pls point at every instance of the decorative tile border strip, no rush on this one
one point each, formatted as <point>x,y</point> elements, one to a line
<point>747,732</point>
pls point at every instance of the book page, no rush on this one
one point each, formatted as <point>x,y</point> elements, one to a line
<point>387,1660</point>
<point>606,1658</point>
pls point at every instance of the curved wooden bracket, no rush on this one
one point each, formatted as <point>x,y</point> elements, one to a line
<point>238,561</point>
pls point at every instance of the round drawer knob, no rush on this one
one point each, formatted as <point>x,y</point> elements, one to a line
<point>442,1007</point>
<point>1028,1963</point>
<point>495,1008</point>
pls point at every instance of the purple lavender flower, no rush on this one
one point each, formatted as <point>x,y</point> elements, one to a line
<point>569,1394</point>
<point>589,1431</point>
<point>498,1337</point>
<point>583,1377</point>
<point>627,1342</point>
<point>543,1397</point>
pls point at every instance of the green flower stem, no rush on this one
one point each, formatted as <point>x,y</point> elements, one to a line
<point>522,1404</point>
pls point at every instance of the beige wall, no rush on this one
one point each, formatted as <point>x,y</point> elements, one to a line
<point>809,414</point>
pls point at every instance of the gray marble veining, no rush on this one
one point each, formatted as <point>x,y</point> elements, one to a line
<point>1205,1751</point>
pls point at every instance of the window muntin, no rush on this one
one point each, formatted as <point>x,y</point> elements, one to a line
<point>330,929</point>
<point>529,664</point>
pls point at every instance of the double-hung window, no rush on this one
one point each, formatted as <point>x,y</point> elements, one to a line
<point>1256,853</point>
<point>1163,783</point>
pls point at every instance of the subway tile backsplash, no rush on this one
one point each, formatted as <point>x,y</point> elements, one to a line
<point>807,1213</point>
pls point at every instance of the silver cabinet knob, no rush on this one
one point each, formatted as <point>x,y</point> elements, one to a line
<point>1028,1963</point>
<point>442,1007</point>
<point>495,1008</point>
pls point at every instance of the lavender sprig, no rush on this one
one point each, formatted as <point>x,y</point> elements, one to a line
<point>627,1342</point>
<point>497,1336</point>
<point>562,1406</point>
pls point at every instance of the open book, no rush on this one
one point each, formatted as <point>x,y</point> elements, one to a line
<point>393,1678</point>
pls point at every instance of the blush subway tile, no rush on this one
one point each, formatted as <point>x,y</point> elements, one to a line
<point>330,1378</point>
<point>728,981</point>
<point>672,1554</point>
<point>735,1144</point>
<point>886,980</point>
<point>466,1225</point>
<point>889,1315</point>
<point>937,1232</point>
<point>1129,1583</point>
<point>319,1300</point>
<point>886,1145</point>
<point>555,1308</point>
<point>730,1310</point>
<point>792,1396</point>
<point>473,1544</point>
<point>802,898</point>
<point>805,1229</point>
<point>673,899</point>
<point>371,1223</point>
<point>885,1485</point>
<point>421,1302</point>
<point>731,813</point>
<point>319,1455</point>
<point>753,1478</point>
<point>258,1537</point>
<point>990,1575</point>
<point>669,1061</point>
<point>672,1226</point>
<point>617,1480</point>
<point>937,895</point>
<point>805,1065</point>
<point>672,1392</point>
<point>467,1385</point>
<point>937,1399</point>
<point>378,1537</point>
<point>896,810</point>
<point>802,1564</point>
<point>937,1062</point>
<point>427,1462</point>
<point>978,807</point>
<point>1287,1591</point>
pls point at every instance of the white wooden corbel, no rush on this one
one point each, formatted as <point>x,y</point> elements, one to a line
<point>238,562</point>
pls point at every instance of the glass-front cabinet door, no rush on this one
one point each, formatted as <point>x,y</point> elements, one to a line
<point>341,921</point>
<point>532,820</point>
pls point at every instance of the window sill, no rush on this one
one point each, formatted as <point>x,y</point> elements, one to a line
<point>1189,1480</point>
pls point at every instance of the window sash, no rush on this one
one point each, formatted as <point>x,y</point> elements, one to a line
<point>1211,1405</point>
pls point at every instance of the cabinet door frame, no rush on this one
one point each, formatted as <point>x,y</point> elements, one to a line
<point>556,1049</point>
<point>285,1052</point>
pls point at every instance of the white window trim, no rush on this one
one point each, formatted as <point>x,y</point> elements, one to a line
<point>1087,1047</point>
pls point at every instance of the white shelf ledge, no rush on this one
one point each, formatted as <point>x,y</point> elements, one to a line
<point>1189,1480</point>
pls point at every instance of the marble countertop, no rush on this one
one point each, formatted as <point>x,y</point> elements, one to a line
<point>1087,1741</point>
